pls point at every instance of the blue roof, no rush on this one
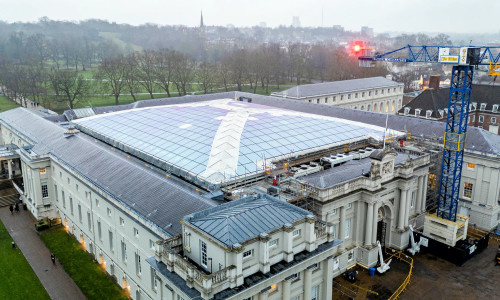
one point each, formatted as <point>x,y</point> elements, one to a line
<point>243,219</point>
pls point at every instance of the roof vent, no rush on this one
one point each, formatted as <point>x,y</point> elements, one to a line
<point>71,131</point>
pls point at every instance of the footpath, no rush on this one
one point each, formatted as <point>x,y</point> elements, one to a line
<point>56,281</point>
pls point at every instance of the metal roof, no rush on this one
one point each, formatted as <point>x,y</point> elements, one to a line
<point>220,141</point>
<point>348,171</point>
<point>240,220</point>
<point>150,195</point>
<point>335,87</point>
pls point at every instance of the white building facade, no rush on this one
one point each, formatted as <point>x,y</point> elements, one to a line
<point>376,94</point>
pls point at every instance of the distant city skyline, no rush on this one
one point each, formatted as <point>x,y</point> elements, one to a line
<point>457,16</point>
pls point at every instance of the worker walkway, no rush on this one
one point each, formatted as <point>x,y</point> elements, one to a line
<point>56,281</point>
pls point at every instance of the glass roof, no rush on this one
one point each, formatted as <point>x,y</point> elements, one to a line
<point>219,140</point>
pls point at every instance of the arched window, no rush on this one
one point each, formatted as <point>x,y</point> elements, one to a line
<point>393,104</point>
<point>375,107</point>
<point>381,106</point>
<point>362,107</point>
<point>369,108</point>
<point>387,106</point>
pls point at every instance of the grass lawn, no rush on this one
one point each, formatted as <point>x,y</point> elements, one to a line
<point>91,279</point>
<point>17,279</point>
<point>6,104</point>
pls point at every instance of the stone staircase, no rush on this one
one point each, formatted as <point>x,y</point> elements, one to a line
<point>8,194</point>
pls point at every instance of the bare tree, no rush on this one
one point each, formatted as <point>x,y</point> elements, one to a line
<point>183,72</point>
<point>111,73</point>
<point>146,67</point>
<point>164,68</point>
<point>130,75</point>
<point>206,75</point>
<point>68,86</point>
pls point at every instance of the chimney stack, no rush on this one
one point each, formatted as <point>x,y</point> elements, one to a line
<point>434,82</point>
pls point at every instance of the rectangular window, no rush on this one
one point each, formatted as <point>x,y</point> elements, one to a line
<point>468,190</point>
<point>63,199</point>
<point>89,221</point>
<point>334,211</point>
<point>69,180</point>
<point>493,120</point>
<point>136,232</point>
<point>315,292</point>
<point>55,193</point>
<point>483,106</point>
<point>412,202</point>
<point>248,253</point>
<point>80,213</point>
<point>317,100</point>
<point>77,187</point>
<point>481,119</point>
<point>295,277</point>
<point>97,202</point>
<point>350,256</point>
<point>362,94</point>
<point>471,166</point>
<point>326,100</point>
<point>111,240</point>
<point>349,96</point>
<point>273,243</point>
<point>334,230</point>
<point>71,205</point>
<point>296,233</point>
<point>349,205</point>
<point>274,288</point>
<point>124,251</point>
<point>334,98</point>
<point>122,222</point>
<point>45,190</point>
<point>341,97</point>
<point>155,279</point>
<point>203,252</point>
<point>99,232</point>
<point>43,171</point>
<point>381,92</point>
<point>60,174</point>
<point>356,95</point>
<point>109,212</point>
<point>369,93</point>
<point>138,267</point>
<point>314,267</point>
<point>347,228</point>
<point>151,244</point>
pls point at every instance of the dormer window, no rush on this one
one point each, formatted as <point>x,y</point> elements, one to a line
<point>428,114</point>
<point>495,108</point>
<point>407,110</point>
<point>483,106</point>
<point>417,112</point>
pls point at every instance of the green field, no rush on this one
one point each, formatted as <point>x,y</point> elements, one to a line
<point>17,279</point>
<point>87,274</point>
<point>6,104</point>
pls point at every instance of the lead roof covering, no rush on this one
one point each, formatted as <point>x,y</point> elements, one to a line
<point>240,220</point>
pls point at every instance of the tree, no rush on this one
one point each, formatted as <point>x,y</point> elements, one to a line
<point>206,75</point>
<point>164,68</point>
<point>183,71</point>
<point>68,86</point>
<point>111,73</point>
<point>145,70</point>
<point>130,74</point>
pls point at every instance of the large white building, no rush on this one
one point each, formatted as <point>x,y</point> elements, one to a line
<point>375,94</point>
<point>144,187</point>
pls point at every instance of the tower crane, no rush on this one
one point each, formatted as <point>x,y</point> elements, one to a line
<point>464,60</point>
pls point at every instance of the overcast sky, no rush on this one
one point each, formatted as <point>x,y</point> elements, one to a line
<point>383,15</point>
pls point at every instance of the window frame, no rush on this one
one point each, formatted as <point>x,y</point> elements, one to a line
<point>247,254</point>
<point>468,189</point>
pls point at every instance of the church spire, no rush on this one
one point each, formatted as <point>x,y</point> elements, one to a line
<point>201,20</point>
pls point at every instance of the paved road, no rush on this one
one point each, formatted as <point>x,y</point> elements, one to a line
<point>56,281</point>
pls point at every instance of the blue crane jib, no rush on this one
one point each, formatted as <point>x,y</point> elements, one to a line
<point>463,59</point>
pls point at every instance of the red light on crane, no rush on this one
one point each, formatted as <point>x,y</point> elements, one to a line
<point>357,48</point>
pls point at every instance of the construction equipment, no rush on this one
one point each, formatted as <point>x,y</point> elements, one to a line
<point>464,60</point>
<point>384,266</point>
<point>497,259</point>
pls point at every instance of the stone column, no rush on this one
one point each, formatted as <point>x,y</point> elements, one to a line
<point>286,289</point>
<point>420,188</point>
<point>402,207</point>
<point>263,295</point>
<point>369,224</point>
<point>9,166</point>
<point>424,193</point>
<point>307,283</point>
<point>288,242</point>
<point>310,236</point>
<point>409,196</point>
<point>375,223</point>
<point>327,278</point>
<point>342,228</point>
<point>264,266</point>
